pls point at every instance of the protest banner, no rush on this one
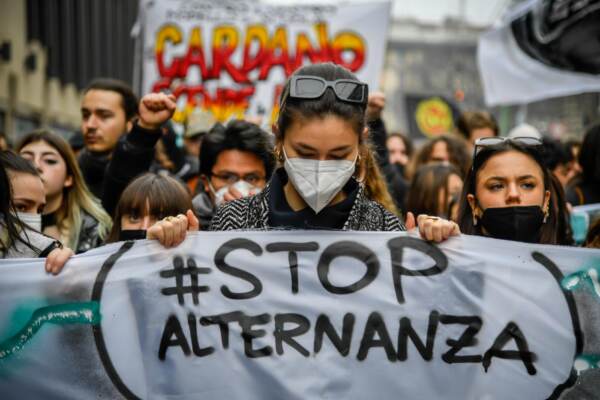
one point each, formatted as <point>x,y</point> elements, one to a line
<point>233,57</point>
<point>430,116</point>
<point>300,315</point>
<point>543,49</point>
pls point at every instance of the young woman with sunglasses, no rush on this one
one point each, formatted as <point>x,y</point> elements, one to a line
<point>508,193</point>
<point>319,135</point>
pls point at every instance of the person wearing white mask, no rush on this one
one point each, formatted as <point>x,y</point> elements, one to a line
<point>28,193</point>
<point>236,161</point>
<point>22,198</point>
<point>320,132</point>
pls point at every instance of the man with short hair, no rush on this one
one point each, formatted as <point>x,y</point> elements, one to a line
<point>118,147</point>
<point>235,161</point>
<point>473,125</point>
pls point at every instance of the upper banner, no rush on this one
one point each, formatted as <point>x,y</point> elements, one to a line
<point>233,57</point>
<point>546,48</point>
<point>302,315</point>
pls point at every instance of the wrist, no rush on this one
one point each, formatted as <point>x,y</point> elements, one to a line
<point>148,126</point>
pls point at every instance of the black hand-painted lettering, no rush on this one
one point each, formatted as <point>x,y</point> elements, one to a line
<point>376,325</point>
<point>347,249</point>
<point>293,249</point>
<point>407,331</point>
<point>283,335</point>
<point>223,320</point>
<point>467,339</point>
<point>324,326</point>
<point>198,351</point>
<point>178,272</point>
<point>228,247</point>
<point>172,337</point>
<point>249,334</point>
<point>511,331</point>
<point>397,246</point>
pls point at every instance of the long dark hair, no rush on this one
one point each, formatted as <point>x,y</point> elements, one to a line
<point>589,156</point>
<point>423,196</point>
<point>165,197</point>
<point>8,218</point>
<point>550,231</point>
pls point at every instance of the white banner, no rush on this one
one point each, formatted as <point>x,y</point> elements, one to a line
<point>232,57</point>
<point>306,315</point>
<point>544,49</point>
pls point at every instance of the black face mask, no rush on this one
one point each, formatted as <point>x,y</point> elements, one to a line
<point>399,168</point>
<point>132,234</point>
<point>522,223</point>
<point>48,220</point>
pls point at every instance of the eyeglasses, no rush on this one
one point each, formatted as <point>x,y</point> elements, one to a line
<point>313,87</point>
<point>496,140</point>
<point>230,178</point>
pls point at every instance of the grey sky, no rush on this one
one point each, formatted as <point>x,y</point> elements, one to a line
<point>478,12</point>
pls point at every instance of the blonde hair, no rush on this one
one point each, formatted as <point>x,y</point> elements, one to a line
<point>369,173</point>
<point>76,198</point>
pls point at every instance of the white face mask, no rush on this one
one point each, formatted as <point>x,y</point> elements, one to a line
<point>241,186</point>
<point>318,181</point>
<point>32,220</point>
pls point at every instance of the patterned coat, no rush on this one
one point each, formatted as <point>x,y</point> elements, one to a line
<point>252,213</point>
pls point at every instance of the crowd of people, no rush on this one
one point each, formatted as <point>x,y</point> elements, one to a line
<point>329,163</point>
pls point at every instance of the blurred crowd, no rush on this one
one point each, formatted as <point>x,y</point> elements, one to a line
<point>327,163</point>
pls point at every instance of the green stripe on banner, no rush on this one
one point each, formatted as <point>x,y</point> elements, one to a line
<point>60,314</point>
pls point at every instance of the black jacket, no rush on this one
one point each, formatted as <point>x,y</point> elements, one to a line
<point>396,183</point>
<point>107,177</point>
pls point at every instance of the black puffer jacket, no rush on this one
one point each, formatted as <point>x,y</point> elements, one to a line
<point>107,176</point>
<point>89,236</point>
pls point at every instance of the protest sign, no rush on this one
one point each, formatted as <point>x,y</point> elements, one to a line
<point>298,315</point>
<point>430,116</point>
<point>543,49</point>
<point>232,57</point>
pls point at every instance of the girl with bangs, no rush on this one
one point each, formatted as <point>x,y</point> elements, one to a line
<point>71,213</point>
<point>153,206</point>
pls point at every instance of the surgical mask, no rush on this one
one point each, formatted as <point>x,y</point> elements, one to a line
<point>241,186</point>
<point>318,181</point>
<point>31,220</point>
<point>132,234</point>
<point>521,223</point>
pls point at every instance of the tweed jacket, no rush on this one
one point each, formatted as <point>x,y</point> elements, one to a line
<point>252,213</point>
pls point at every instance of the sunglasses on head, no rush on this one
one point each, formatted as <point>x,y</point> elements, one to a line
<point>482,143</point>
<point>313,87</point>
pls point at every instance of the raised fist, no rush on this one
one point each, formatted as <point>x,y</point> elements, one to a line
<point>155,109</point>
<point>375,105</point>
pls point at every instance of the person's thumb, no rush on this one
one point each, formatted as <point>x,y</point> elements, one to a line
<point>409,222</point>
<point>193,223</point>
